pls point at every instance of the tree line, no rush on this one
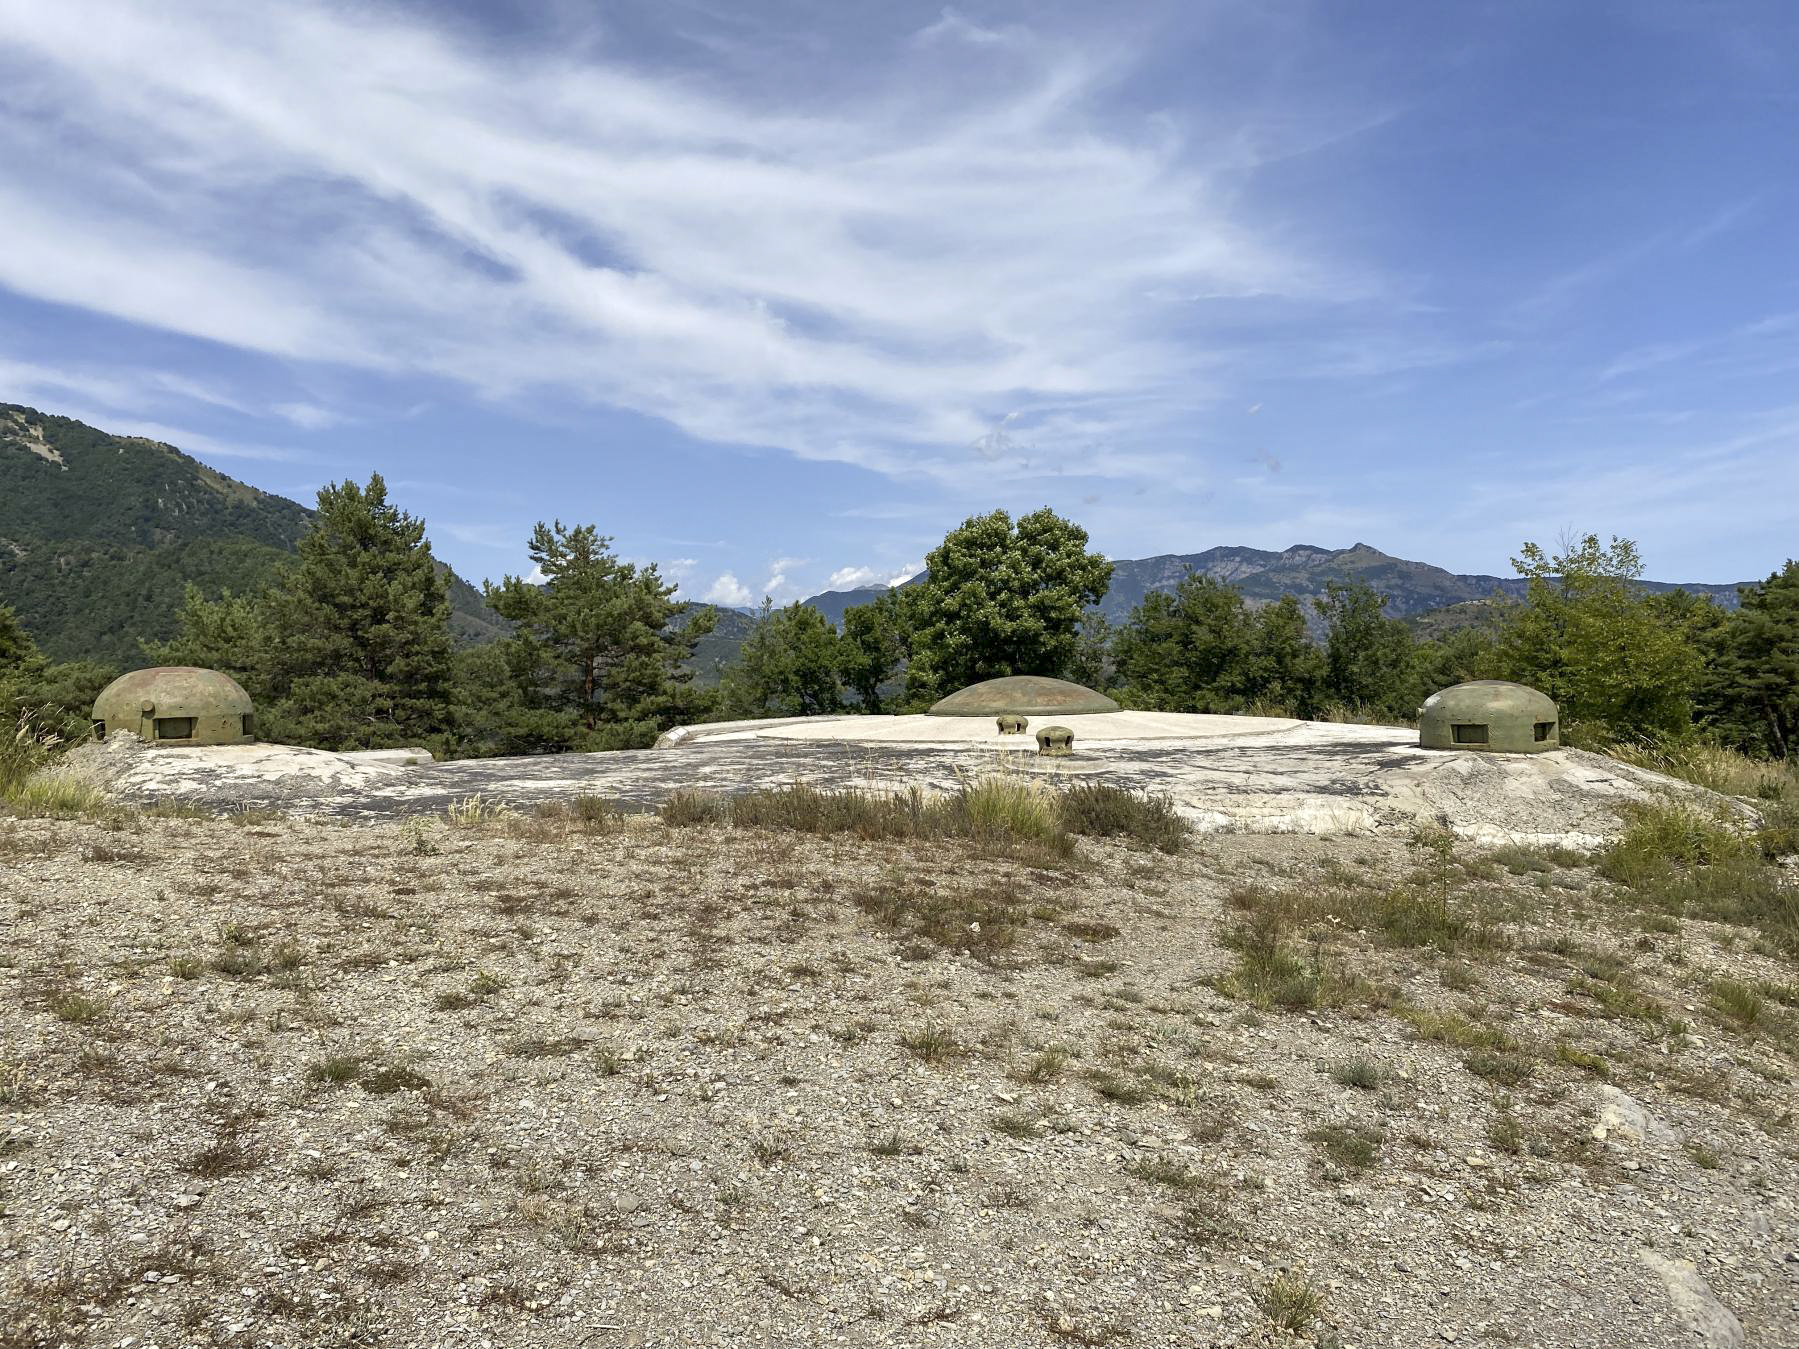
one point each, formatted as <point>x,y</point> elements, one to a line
<point>349,645</point>
<point>1000,597</point>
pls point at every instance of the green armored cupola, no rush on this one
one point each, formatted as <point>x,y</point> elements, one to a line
<point>176,705</point>
<point>1490,714</point>
<point>1023,695</point>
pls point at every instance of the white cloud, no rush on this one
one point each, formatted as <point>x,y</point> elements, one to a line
<point>854,578</point>
<point>728,590</point>
<point>307,416</point>
<point>874,282</point>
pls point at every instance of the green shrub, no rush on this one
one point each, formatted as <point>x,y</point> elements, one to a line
<point>1101,810</point>
<point>1290,1302</point>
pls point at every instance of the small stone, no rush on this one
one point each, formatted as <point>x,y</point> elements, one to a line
<point>626,1202</point>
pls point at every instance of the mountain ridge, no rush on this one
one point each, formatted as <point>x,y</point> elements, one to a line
<point>1304,569</point>
<point>100,534</point>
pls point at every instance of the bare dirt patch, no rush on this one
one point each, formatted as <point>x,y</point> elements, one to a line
<point>591,1080</point>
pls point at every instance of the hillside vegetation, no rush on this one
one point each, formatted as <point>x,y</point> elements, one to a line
<point>100,535</point>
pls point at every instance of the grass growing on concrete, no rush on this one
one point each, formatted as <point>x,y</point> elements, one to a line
<point>1002,810</point>
<point>997,811</point>
<point>1715,767</point>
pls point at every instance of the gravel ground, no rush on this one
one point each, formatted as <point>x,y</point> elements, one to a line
<point>276,1082</point>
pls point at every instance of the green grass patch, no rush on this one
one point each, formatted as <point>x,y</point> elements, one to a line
<point>78,1009</point>
<point>1509,1069</point>
<point>1271,974</point>
<point>1453,1029</point>
<point>1175,1174</point>
<point>1679,859</point>
<point>1582,1059</point>
<point>985,919</point>
<point>1004,812</point>
<point>1290,1302</point>
<point>1739,1003</point>
<point>1350,1147</point>
<point>1362,1074</point>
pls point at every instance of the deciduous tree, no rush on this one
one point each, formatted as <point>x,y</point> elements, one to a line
<point>788,667</point>
<point>871,647</point>
<point>1589,637</point>
<point>1001,599</point>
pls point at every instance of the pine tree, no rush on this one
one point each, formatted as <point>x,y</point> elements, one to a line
<point>1757,680</point>
<point>58,696</point>
<point>600,650</point>
<point>226,634</point>
<point>20,659</point>
<point>355,646</point>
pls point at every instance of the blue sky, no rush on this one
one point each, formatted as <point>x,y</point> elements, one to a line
<point>776,293</point>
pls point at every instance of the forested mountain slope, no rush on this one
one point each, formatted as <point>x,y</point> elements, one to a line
<point>100,534</point>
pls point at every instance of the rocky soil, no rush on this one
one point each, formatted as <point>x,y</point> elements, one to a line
<point>541,1082</point>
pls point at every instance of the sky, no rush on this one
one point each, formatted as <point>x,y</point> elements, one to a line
<point>776,292</point>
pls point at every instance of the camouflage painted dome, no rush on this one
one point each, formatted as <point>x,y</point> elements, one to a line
<point>177,705</point>
<point>1027,695</point>
<point>1490,714</point>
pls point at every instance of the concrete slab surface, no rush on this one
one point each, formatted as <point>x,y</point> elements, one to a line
<point>1241,774</point>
